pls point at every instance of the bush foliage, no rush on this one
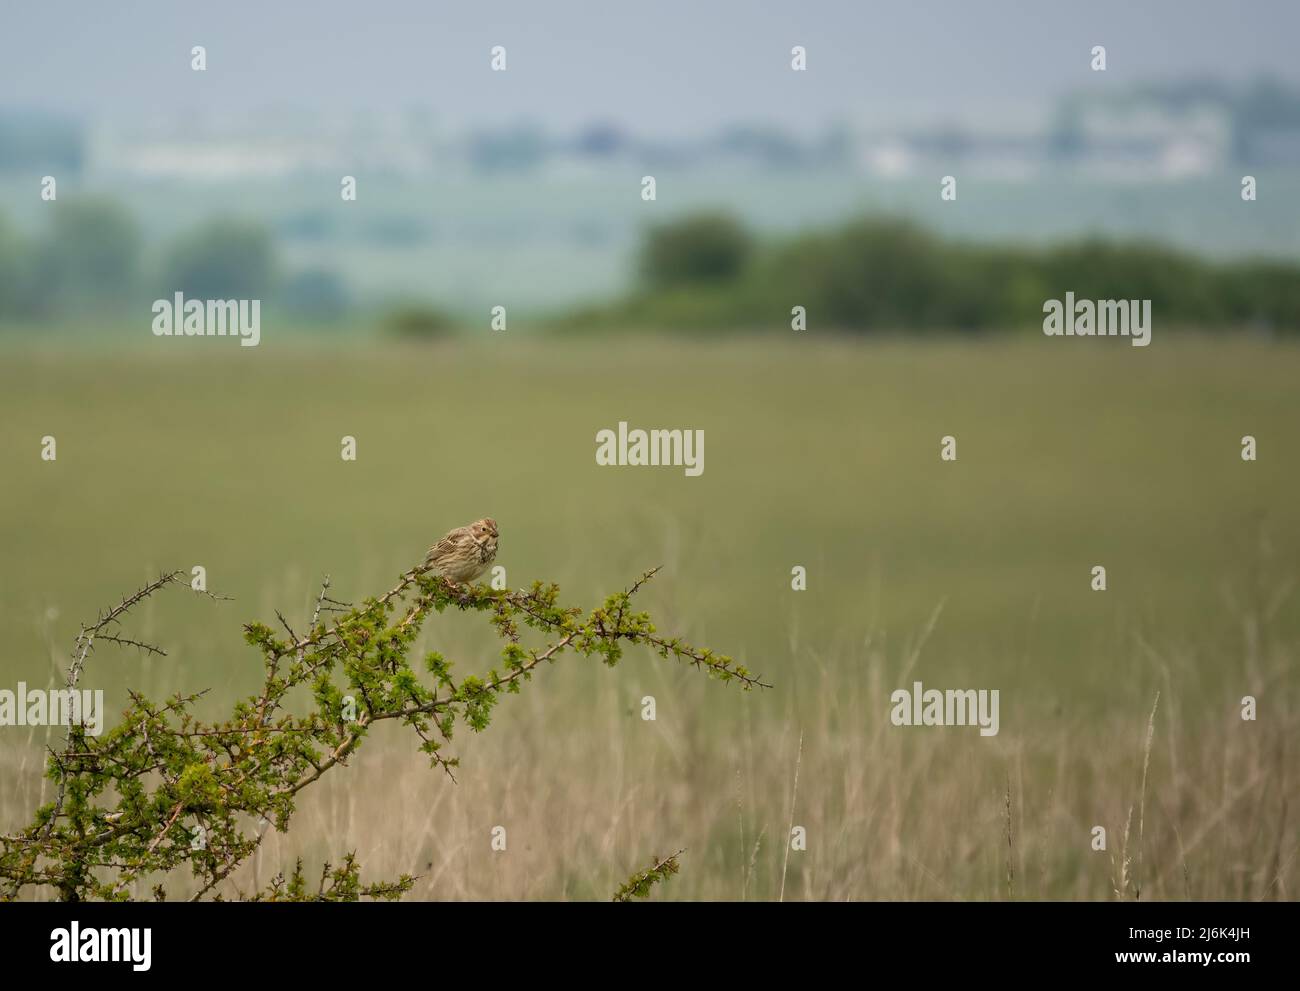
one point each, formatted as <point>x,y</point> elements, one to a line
<point>640,884</point>
<point>164,792</point>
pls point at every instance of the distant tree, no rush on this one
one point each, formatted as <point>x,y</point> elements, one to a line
<point>1262,295</point>
<point>701,249</point>
<point>12,289</point>
<point>887,274</point>
<point>91,256</point>
<point>224,259</point>
<point>872,274</point>
<point>1181,287</point>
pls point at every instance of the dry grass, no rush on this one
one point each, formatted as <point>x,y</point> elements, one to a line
<point>1193,798</point>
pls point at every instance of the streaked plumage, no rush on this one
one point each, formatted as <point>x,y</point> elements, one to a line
<point>466,552</point>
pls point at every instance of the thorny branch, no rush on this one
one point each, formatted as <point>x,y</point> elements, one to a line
<point>164,791</point>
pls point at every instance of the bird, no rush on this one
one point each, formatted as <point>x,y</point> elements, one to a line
<point>465,553</point>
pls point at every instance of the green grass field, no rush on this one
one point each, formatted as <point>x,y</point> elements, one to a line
<point>821,454</point>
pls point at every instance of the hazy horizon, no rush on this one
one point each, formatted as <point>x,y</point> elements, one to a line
<point>675,68</point>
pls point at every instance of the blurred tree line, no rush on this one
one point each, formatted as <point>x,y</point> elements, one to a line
<point>92,258</point>
<point>708,272</point>
<point>702,272</point>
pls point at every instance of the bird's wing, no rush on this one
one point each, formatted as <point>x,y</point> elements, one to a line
<point>443,547</point>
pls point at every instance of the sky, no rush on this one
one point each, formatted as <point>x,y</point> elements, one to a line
<point>661,66</point>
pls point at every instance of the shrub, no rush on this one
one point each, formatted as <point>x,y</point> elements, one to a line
<point>164,792</point>
<point>417,321</point>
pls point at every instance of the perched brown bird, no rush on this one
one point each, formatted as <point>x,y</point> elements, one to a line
<point>466,552</point>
